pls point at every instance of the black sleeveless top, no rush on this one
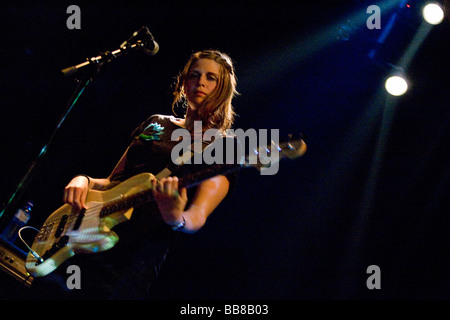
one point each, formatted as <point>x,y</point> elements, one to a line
<point>127,270</point>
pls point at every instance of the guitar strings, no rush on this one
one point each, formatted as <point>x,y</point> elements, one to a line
<point>281,146</point>
<point>92,211</point>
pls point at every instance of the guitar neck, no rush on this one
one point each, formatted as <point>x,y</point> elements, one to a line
<point>291,150</point>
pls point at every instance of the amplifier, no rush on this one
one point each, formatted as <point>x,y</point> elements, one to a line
<point>12,261</point>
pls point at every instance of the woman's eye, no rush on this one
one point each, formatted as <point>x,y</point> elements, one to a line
<point>196,75</point>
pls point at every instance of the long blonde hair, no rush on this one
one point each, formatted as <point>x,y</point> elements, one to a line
<point>216,110</point>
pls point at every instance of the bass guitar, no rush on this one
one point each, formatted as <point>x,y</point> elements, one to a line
<point>67,232</point>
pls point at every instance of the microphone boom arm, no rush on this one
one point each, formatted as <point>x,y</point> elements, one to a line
<point>105,57</point>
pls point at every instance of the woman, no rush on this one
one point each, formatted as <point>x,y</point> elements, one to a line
<point>206,86</point>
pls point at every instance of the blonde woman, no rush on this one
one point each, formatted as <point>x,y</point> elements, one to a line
<point>205,88</point>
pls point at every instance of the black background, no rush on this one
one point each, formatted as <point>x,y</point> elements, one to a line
<point>371,190</point>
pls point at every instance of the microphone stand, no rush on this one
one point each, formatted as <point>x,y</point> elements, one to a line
<point>105,57</point>
<point>93,66</point>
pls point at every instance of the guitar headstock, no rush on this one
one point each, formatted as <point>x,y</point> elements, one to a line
<point>293,148</point>
<point>266,156</point>
<point>263,158</point>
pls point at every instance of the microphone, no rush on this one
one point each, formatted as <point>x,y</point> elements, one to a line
<point>141,39</point>
<point>144,39</point>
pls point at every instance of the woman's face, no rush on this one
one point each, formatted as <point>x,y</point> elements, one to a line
<point>201,80</point>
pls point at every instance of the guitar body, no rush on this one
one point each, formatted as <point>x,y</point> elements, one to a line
<point>67,232</point>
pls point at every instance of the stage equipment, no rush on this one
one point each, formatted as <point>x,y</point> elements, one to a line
<point>12,261</point>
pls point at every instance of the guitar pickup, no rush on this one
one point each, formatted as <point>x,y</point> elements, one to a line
<point>55,247</point>
<point>61,226</point>
<point>80,217</point>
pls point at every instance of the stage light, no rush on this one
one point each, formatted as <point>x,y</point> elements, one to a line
<point>433,13</point>
<point>396,85</point>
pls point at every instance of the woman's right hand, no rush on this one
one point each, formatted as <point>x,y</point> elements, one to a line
<point>76,191</point>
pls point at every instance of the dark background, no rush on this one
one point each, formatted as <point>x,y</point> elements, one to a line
<point>371,190</point>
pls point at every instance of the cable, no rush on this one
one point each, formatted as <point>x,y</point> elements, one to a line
<point>34,253</point>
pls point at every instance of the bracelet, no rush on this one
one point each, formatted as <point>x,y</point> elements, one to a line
<point>179,226</point>
<point>83,175</point>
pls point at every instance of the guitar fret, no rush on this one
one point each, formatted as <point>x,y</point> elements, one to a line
<point>125,202</point>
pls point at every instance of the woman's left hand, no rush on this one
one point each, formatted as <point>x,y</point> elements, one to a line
<point>171,201</point>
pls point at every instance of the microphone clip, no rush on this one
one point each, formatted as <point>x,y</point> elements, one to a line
<point>142,39</point>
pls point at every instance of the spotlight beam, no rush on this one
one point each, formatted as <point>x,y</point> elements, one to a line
<point>414,45</point>
<point>387,29</point>
<point>280,60</point>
